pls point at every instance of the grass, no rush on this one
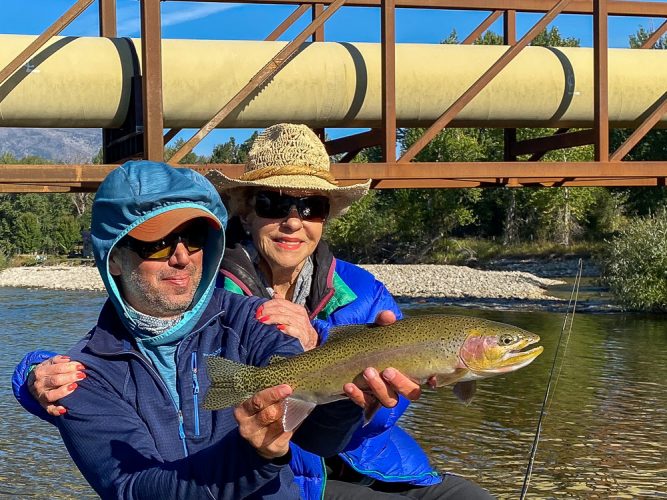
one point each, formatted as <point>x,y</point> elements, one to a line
<point>466,250</point>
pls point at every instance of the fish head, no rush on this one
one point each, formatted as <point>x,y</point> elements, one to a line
<point>498,348</point>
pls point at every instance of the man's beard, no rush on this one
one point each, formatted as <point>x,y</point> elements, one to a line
<point>165,306</point>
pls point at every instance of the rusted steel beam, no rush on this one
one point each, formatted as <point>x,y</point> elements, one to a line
<point>483,26</point>
<point>151,79</point>
<point>60,24</point>
<point>655,36</point>
<point>171,133</point>
<point>660,108</point>
<point>481,82</point>
<point>318,35</point>
<point>108,23</point>
<point>509,134</point>
<point>388,48</point>
<point>289,21</point>
<point>509,27</point>
<point>355,142</point>
<point>30,188</point>
<point>616,7</point>
<point>269,70</point>
<point>51,174</point>
<point>560,140</point>
<point>600,80</point>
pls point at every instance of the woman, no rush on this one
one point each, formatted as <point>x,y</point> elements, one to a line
<point>275,250</point>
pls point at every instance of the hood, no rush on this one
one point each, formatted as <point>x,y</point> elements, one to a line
<point>137,191</point>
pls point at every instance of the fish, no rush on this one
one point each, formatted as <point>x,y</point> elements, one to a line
<point>438,349</point>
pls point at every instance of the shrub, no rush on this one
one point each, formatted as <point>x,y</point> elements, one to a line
<point>635,264</point>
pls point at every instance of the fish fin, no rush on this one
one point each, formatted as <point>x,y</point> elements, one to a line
<point>296,411</point>
<point>276,359</point>
<point>450,378</point>
<point>224,391</point>
<point>370,412</point>
<point>465,390</point>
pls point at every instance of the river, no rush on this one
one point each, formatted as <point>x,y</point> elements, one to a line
<point>604,434</point>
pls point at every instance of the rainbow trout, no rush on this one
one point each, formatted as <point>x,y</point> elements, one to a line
<point>456,350</point>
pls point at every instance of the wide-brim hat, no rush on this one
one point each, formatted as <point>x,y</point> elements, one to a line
<point>290,156</point>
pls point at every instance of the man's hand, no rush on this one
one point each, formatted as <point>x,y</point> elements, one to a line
<point>53,379</point>
<point>260,420</point>
<point>371,388</point>
<point>290,318</point>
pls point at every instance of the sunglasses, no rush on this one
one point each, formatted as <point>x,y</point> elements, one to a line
<point>193,237</point>
<point>273,205</point>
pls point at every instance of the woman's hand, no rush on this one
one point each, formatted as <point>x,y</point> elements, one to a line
<point>53,379</point>
<point>290,318</point>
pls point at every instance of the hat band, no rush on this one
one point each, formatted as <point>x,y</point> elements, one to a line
<point>265,172</point>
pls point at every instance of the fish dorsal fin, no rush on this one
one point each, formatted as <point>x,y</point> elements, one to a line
<point>465,390</point>
<point>276,359</point>
<point>296,411</point>
<point>224,391</point>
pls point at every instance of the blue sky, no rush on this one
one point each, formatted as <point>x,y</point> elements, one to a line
<point>254,22</point>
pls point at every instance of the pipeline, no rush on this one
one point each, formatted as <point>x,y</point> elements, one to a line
<point>86,82</point>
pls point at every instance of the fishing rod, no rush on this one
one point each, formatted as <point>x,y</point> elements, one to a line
<point>573,305</point>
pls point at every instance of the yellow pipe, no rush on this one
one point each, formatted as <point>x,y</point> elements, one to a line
<point>85,82</point>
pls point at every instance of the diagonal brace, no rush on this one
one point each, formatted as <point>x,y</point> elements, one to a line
<point>642,130</point>
<point>481,82</point>
<point>60,24</point>
<point>268,71</point>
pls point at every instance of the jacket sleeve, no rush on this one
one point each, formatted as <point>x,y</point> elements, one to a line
<point>116,453</point>
<point>20,383</point>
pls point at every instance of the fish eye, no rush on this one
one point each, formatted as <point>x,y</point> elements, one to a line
<point>506,339</point>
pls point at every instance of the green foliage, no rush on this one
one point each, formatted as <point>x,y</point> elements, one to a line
<point>41,223</point>
<point>638,39</point>
<point>189,158</point>
<point>635,264</point>
<point>230,152</point>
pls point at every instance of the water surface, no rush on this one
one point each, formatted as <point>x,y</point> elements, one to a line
<point>605,434</point>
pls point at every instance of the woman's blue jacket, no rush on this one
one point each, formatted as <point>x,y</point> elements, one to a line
<point>344,294</point>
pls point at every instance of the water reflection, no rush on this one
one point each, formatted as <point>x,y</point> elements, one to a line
<point>605,435</point>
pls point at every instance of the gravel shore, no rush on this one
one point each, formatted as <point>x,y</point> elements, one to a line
<point>403,281</point>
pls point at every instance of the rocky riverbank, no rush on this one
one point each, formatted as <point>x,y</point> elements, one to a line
<point>509,288</point>
<point>402,280</point>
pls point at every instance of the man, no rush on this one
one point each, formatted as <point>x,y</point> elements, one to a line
<point>134,427</point>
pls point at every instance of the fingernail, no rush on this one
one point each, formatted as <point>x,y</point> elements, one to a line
<point>80,367</point>
<point>258,314</point>
<point>80,375</point>
<point>72,386</point>
<point>370,373</point>
<point>62,411</point>
<point>282,328</point>
<point>263,319</point>
<point>389,374</point>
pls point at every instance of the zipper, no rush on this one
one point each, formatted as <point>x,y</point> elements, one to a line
<point>181,432</point>
<point>156,375</point>
<point>195,391</point>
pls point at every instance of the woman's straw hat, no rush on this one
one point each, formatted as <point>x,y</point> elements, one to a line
<point>289,156</point>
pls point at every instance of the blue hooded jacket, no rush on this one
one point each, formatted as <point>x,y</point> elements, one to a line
<point>125,430</point>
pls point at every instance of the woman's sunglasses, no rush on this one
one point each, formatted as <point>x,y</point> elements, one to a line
<point>273,205</point>
<point>193,237</point>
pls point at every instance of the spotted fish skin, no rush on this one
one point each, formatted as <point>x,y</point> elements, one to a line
<point>453,349</point>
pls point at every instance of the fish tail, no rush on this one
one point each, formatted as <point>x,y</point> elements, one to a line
<point>229,383</point>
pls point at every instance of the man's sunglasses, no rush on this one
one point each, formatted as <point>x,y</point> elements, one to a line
<point>193,237</point>
<point>273,205</point>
